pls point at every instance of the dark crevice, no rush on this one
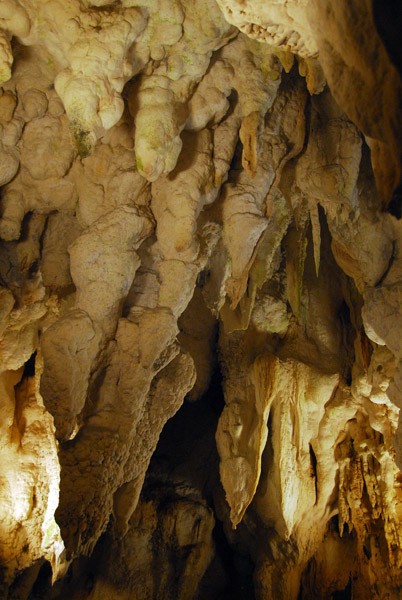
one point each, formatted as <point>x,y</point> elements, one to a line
<point>42,583</point>
<point>388,21</point>
<point>186,453</point>
<point>334,524</point>
<point>387,16</point>
<point>29,368</point>
<point>367,551</point>
<point>395,205</point>
<point>239,568</point>
<point>345,594</point>
<point>348,335</point>
<point>313,463</point>
<point>186,448</point>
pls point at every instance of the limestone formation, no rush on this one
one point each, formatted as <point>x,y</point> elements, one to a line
<point>200,300</point>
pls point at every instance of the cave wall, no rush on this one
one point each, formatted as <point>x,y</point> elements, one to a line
<point>195,197</point>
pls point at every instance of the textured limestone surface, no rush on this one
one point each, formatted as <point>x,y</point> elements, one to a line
<point>200,301</point>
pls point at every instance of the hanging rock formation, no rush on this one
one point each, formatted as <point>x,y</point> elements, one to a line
<point>200,300</point>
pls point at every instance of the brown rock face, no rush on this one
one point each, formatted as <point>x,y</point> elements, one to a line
<point>200,300</point>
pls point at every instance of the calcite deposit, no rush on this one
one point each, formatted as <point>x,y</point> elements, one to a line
<point>200,300</point>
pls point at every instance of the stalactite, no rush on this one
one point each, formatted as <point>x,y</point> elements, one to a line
<point>192,192</point>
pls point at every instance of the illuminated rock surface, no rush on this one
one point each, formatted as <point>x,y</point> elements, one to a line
<point>200,300</point>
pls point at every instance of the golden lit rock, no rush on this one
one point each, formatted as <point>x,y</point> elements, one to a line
<point>200,300</point>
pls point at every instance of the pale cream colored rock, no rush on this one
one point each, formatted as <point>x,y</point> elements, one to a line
<point>288,474</point>
<point>323,173</point>
<point>362,242</point>
<point>366,64</point>
<point>34,103</point>
<point>14,18</point>
<point>25,194</point>
<point>177,202</point>
<point>381,315</point>
<point>97,68</point>
<point>144,291</point>
<point>12,132</point>
<point>225,140</point>
<point>178,199</point>
<point>178,278</point>
<point>91,48</point>
<point>7,303</point>
<point>108,178</point>
<point>256,77</point>
<point>350,59</point>
<point>281,24</point>
<point>357,459</point>
<point>319,307</point>
<point>69,361</point>
<point>311,69</point>
<point>29,479</point>
<point>26,252</point>
<point>159,108</point>
<point>9,164</point>
<point>19,339</point>
<point>61,231</point>
<point>247,202</point>
<point>210,103</point>
<point>267,312</point>
<point>84,510</point>
<point>103,261</point>
<point>243,65</point>
<point>55,105</point>
<point>8,102</point>
<point>244,212</point>
<point>241,439</point>
<point>217,272</point>
<point>46,150</point>
<point>69,347</point>
<point>114,370</point>
<point>6,57</point>
<point>271,314</point>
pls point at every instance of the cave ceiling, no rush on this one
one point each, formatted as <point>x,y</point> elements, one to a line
<point>200,300</point>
